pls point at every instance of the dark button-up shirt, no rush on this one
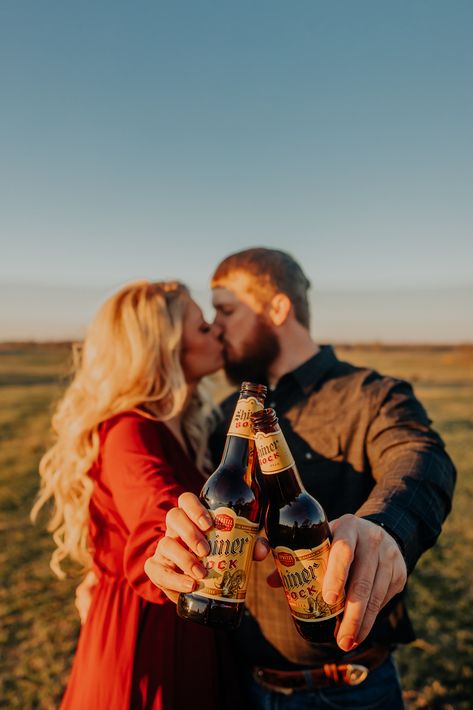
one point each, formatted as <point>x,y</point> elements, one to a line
<point>363,444</point>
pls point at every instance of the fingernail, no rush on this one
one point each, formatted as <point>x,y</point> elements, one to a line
<point>205,521</point>
<point>189,584</point>
<point>346,643</point>
<point>331,597</point>
<point>202,549</point>
<point>198,571</point>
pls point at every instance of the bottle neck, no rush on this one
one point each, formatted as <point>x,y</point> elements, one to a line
<point>236,450</point>
<point>240,425</point>
<point>284,486</point>
<point>280,474</point>
<point>239,448</point>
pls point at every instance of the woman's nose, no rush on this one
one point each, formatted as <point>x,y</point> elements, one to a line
<point>217,329</point>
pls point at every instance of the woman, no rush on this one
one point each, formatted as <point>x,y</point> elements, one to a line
<point>130,438</point>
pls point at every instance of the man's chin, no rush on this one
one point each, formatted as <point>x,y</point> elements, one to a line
<point>256,355</point>
<point>238,372</point>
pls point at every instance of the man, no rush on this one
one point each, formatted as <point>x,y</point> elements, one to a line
<point>364,448</point>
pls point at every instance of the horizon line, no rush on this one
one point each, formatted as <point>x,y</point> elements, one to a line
<point>339,344</point>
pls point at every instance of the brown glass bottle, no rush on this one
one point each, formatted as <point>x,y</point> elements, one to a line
<point>232,495</point>
<point>298,533</point>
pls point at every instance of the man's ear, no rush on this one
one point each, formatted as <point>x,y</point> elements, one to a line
<point>279,308</point>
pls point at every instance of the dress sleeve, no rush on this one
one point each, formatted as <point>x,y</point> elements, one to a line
<point>413,473</point>
<point>143,488</point>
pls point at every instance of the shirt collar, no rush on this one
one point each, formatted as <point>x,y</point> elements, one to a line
<point>308,375</point>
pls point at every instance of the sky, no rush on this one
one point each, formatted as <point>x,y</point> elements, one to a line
<point>150,139</point>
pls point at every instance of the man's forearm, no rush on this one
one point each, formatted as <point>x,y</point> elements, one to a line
<point>412,499</point>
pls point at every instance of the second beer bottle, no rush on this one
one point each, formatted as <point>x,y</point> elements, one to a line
<point>298,533</point>
<point>232,496</point>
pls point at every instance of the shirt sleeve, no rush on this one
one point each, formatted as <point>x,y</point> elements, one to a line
<point>414,475</point>
<point>143,488</point>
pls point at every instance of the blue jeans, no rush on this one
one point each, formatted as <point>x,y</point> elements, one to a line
<point>381,690</point>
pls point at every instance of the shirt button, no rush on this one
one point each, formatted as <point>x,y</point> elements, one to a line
<point>308,455</point>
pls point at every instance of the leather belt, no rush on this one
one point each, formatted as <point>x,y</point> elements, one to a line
<point>353,671</point>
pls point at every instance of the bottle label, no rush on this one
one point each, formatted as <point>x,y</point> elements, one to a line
<point>302,574</point>
<point>231,541</point>
<point>273,452</point>
<point>241,421</point>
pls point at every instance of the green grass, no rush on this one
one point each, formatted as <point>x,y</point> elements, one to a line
<point>39,624</point>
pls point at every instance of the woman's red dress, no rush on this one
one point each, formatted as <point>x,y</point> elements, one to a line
<point>134,652</point>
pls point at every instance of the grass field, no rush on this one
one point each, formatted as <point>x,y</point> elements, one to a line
<point>39,625</point>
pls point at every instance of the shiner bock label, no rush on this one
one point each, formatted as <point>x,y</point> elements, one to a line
<point>273,452</point>
<point>302,573</point>
<point>231,541</point>
<point>241,422</point>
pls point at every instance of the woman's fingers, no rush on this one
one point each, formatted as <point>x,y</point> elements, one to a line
<point>170,582</point>
<point>193,508</point>
<point>177,562</point>
<point>184,560</point>
<point>261,549</point>
<point>274,579</point>
<point>180,525</point>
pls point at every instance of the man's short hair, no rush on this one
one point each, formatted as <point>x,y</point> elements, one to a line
<point>273,271</point>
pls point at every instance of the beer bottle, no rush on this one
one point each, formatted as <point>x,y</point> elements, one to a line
<point>298,533</point>
<point>232,495</point>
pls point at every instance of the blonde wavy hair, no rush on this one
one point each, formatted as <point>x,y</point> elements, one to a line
<point>130,358</point>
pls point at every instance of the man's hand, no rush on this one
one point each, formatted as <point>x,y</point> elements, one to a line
<point>370,559</point>
<point>177,563</point>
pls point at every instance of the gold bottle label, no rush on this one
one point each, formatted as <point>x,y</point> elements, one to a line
<point>273,452</point>
<point>231,541</point>
<point>241,421</point>
<point>302,574</point>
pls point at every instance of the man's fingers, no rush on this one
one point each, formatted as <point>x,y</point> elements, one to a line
<point>178,524</point>
<point>359,593</point>
<point>193,508</point>
<point>376,601</point>
<point>341,556</point>
<point>377,564</point>
<point>398,580</point>
<point>390,579</point>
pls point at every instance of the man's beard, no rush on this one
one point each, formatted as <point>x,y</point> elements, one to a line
<point>258,352</point>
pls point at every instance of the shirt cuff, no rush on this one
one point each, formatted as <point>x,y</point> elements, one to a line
<point>405,543</point>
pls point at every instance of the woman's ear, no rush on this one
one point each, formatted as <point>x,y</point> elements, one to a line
<point>279,308</point>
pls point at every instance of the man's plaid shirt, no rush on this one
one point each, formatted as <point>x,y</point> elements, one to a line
<point>362,444</point>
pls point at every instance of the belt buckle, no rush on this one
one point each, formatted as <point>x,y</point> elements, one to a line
<point>355,674</point>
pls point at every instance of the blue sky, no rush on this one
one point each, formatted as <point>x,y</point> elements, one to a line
<point>151,139</point>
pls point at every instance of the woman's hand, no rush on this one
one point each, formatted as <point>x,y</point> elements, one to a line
<point>84,595</point>
<point>177,565</point>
